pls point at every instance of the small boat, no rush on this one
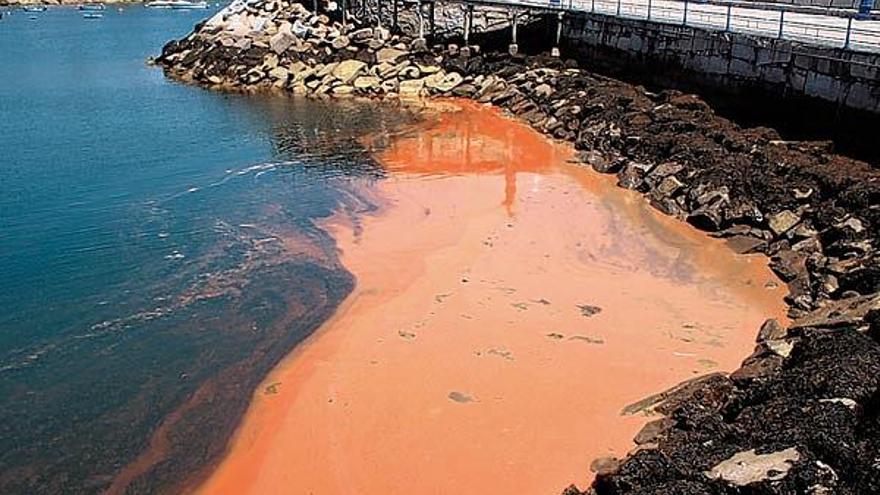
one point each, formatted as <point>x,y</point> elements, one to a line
<point>34,8</point>
<point>177,4</point>
<point>93,15</point>
<point>92,7</point>
<point>190,5</point>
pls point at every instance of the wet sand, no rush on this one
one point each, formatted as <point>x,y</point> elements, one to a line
<point>508,306</point>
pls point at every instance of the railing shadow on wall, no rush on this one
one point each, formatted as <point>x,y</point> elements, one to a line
<point>830,27</point>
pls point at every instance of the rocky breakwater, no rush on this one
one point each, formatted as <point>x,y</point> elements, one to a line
<point>285,46</point>
<point>802,414</point>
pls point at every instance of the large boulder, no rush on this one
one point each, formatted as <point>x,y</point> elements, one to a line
<point>412,88</point>
<point>367,82</point>
<point>747,467</point>
<point>348,70</point>
<point>281,41</point>
<point>443,83</point>
<point>781,222</point>
<point>389,55</point>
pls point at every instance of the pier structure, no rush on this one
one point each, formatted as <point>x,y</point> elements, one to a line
<point>832,54</point>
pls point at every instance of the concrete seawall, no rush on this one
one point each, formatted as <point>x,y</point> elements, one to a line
<point>730,61</point>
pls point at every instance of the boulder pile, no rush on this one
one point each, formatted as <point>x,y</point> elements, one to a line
<point>802,414</point>
<point>282,45</point>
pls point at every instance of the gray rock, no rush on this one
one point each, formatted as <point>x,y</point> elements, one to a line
<point>632,174</point>
<point>744,244</point>
<point>781,222</point>
<point>418,45</point>
<point>771,330</point>
<point>389,55</point>
<point>409,72</point>
<point>412,88</point>
<point>443,83</point>
<point>652,431</point>
<point>669,186</point>
<point>853,224</point>
<point>666,169</point>
<point>764,363</point>
<point>340,42</point>
<point>279,74</point>
<point>544,90</point>
<point>708,390</point>
<point>842,313</point>
<point>367,82</point>
<point>709,217</point>
<point>342,90</point>
<point>362,36</point>
<point>599,162</point>
<point>780,347</point>
<point>789,265</point>
<point>348,70</point>
<point>428,69</point>
<point>745,468</point>
<point>605,466</point>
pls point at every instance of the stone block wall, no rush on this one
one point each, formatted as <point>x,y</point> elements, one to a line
<point>731,61</point>
<point>834,4</point>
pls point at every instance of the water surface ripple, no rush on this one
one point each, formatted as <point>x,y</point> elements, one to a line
<point>158,249</point>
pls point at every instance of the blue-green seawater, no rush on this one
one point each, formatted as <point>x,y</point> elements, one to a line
<point>145,283</point>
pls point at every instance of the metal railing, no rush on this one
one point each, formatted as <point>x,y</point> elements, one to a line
<point>836,28</point>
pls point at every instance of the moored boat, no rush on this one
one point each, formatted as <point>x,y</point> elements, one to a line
<point>177,4</point>
<point>34,8</point>
<point>93,15</point>
<point>92,6</point>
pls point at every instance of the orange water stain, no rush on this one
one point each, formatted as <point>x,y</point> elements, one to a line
<point>508,305</point>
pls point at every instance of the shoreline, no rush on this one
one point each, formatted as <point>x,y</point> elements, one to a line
<point>808,210</point>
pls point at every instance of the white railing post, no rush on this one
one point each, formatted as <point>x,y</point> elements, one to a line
<point>468,21</point>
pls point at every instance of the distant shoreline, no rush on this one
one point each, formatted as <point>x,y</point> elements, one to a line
<point>62,3</point>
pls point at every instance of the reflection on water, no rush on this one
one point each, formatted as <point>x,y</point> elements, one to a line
<point>158,250</point>
<point>464,146</point>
